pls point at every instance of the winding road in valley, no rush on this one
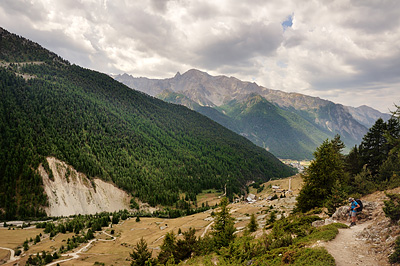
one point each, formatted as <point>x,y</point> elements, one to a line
<point>75,255</point>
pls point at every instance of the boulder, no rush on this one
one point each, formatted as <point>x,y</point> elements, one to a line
<point>327,221</point>
<point>318,223</point>
<point>342,213</point>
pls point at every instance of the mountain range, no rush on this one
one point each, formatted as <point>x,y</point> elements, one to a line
<point>289,125</point>
<point>158,152</point>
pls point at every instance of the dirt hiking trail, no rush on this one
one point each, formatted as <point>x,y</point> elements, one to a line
<point>348,251</point>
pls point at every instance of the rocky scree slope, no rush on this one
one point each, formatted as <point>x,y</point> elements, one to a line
<point>71,193</point>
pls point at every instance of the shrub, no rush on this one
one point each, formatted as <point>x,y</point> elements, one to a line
<point>326,232</point>
<point>395,256</point>
<point>239,250</point>
<point>392,207</point>
<point>315,257</point>
<point>274,197</point>
<point>48,258</point>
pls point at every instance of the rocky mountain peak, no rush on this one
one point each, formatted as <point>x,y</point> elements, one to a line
<point>320,116</point>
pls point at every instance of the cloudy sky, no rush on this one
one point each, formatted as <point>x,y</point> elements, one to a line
<point>347,51</point>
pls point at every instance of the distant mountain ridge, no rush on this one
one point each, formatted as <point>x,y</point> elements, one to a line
<point>366,115</point>
<point>305,121</point>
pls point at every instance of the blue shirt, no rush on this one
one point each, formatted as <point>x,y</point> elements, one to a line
<point>354,204</point>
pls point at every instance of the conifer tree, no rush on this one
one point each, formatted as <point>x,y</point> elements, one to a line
<point>186,246</point>
<point>373,149</point>
<point>167,248</point>
<point>252,226</point>
<point>321,176</point>
<point>337,198</point>
<point>389,171</point>
<point>140,255</point>
<point>223,225</point>
<point>353,164</point>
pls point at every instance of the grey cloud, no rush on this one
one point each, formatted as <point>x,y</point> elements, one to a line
<point>242,44</point>
<point>383,71</point>
<point>151,32</point>
<point>372,16</point>
<point>378,74</point>
<point>201,11</point>
<point>293,39</point>
<point>66,47</point>
<point>36,11</point>
<point>159,5</point>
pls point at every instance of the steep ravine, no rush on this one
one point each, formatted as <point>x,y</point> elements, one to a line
<point>73,193</point>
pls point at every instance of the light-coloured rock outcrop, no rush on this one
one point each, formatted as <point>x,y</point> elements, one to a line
<point>71,192</point>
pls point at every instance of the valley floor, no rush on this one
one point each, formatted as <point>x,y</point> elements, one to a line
<point>358,245</point>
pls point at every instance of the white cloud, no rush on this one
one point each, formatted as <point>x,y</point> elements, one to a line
<point>347,51</point>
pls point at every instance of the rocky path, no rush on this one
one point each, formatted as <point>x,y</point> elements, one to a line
<point>348,251</point>
<point>206,229</point>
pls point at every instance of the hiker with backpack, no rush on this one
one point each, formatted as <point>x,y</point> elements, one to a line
<point>356,206</point>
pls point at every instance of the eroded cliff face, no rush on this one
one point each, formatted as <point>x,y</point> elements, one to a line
<point>70,192</point>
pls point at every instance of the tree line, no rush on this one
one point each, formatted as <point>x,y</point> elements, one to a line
<point>373,165</point>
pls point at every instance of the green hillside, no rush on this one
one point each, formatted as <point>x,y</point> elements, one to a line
<point>284,133</point>
<point>210,112</point>
<point>152,149</point>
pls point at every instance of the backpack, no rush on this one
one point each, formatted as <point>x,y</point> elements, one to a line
<point>361,205</point>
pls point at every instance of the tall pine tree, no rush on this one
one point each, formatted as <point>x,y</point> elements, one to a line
<point>140,255</point>
<point>373,149</point>
<point>389,172</point>
<point>223,226</point>
<point>322,175</point>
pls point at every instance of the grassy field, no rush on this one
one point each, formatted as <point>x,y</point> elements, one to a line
<point>153,230</point>
<point>210,196</point>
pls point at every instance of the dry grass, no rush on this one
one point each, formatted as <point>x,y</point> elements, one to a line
<point>129,232</point>
<point>14,238</point>
<point>210,196</point>
<point>296,184</point>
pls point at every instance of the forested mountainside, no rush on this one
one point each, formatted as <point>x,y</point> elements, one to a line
<point>154,150</point>
<point>284,133</point>
<point>289,125</point>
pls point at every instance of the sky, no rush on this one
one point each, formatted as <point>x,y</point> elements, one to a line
<point>346,51</point>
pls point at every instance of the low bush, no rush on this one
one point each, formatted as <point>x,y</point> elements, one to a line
<point>325,233</point>
<point>392,207</point>
<point>395,256</point>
